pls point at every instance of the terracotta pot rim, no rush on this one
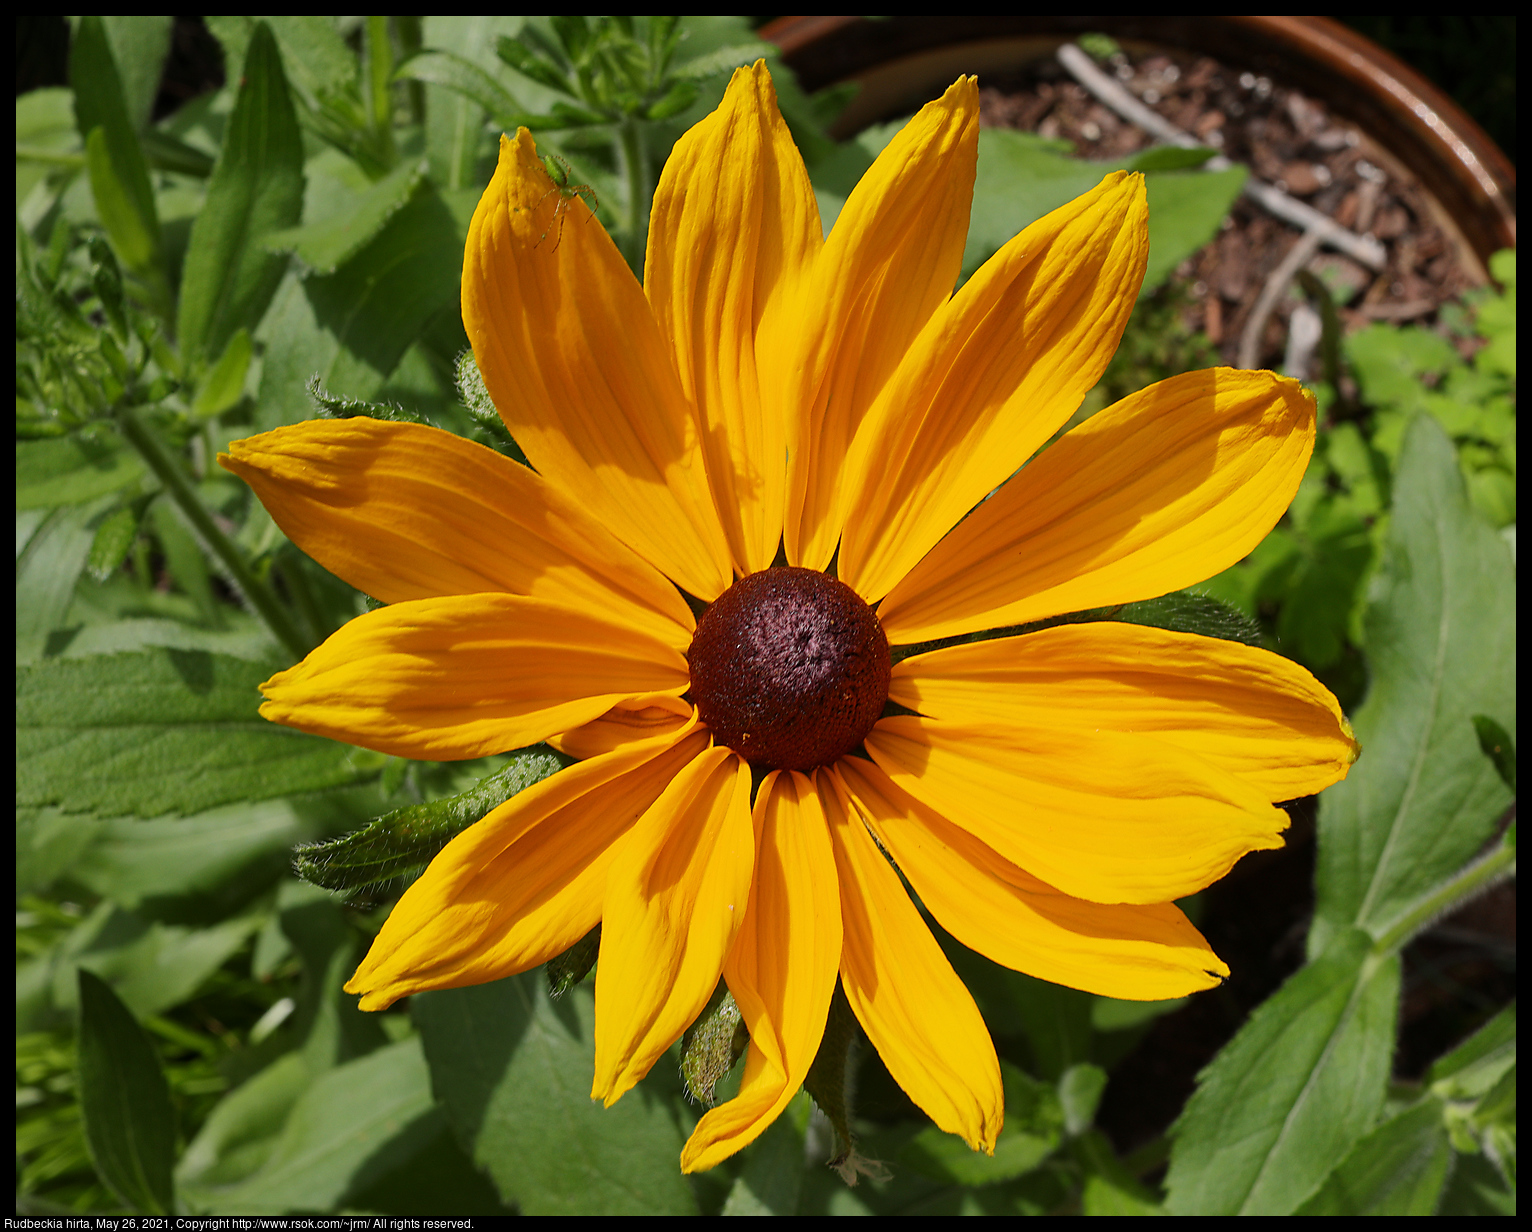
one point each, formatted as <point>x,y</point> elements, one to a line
<point>1412,119</point>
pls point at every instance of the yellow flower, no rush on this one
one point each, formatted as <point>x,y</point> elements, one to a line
<point>1047,796</point>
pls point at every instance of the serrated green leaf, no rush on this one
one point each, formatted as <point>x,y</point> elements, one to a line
<point>125,1101</point>
<point>256,188</point>
<point>165,731</point>
<point>513,1070</point>
<point>327,243</point>
<point>1294,1091</point>
<point>352,1125</point>
<point>71,470</point>
<point>1400,1168</point>
<point>1441,641</point>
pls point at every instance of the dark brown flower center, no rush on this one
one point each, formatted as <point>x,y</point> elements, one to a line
<point>789,668</point>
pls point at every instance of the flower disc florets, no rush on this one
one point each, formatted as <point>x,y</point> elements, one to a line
<point>789,668</point>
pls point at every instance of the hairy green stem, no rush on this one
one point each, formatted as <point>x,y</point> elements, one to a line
<point>1470,881</point>
<point>169,471</point>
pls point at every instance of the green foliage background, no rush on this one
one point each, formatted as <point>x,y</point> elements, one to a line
<point>182,1041</point>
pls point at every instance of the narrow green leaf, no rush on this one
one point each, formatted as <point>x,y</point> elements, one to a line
<point>711,1046</point>
<point>406,840</point>
<point>1441,644</point>
<point>256,188</point>
<point>47,569</point>
<point>160,732</point>
<point>1295,1089</point>
<point>574,964</point>
<point>1400,1168</point>
<point>243,1129</point>
<point>513,1071</point>
<point>140,45</point>
<point>125,1101</point>
<point>224,383</point>
<point>119,174</point>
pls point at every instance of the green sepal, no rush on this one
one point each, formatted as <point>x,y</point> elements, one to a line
<point>574,964</point>
<point>826,1081</point>
<point>490,429</point>
<point>709,1049</point>
<point>404,841</point>
<point>335,406</point>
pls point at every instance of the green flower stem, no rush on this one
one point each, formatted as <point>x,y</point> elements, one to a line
<point>184,495</point>
<point>639,190</point>
<point>1472,880</point>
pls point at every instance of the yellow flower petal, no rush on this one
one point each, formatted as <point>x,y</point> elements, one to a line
<point>734,219</point>
<point>469,675</point>
<point>676,896</point>
<point>892,258</point>
<point>525,883</point>
<point>577,368</point>
<point>402,511</point>
<point>915,1010</point>
<point>1162,490</point>
<point>638,718</point>
<point>1134,953</point>
<point>996,372</point>
<point>782,967</point>
<point>1104,816</point>
<point>1253,714</point>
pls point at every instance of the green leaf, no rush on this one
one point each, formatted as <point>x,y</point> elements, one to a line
<point>1497,745</point>
<point>72,470</point>
<point>165,731</point>
<point>513,1071</point>
<point>224,383</point>
<point>772,1177</point>
<point>1295,1089</point>
<point>125,1101</point>
<point>1186,209</point>
<point>406,840</point>
<point>243,1129</point>
<point>140,46</point>
<point>328,242</point>
<point>1441,640</point>
<point>1400,1168</point>
<point>352,1126</point>
<point>1478,1062</point>
<point>114,539</point>
<point>256,188</point>
<point>47,569</point>
<point>1169,158</point>
<point>443,68</point>
<point>1033,1130</point>
<point>222,856</point>
<point>119,174</point>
